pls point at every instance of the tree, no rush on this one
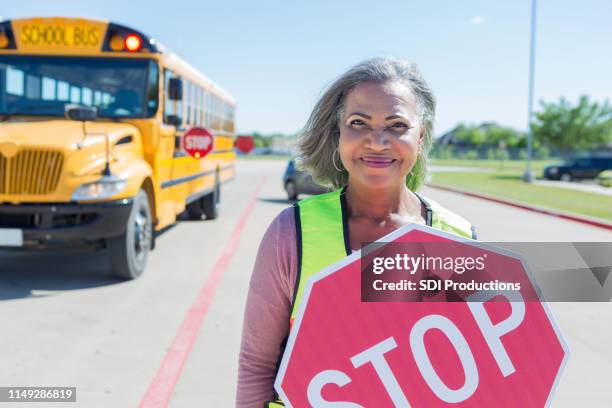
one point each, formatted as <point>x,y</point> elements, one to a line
<point>470,135</point>
<point>258,139</point>
<point>498,135</point>
<point>568,128</point>
<point>487,135</point>
<point>267,140</point>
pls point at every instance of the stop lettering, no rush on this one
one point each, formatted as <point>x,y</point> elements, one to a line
<point>197,142</point>
<point>343,352</point>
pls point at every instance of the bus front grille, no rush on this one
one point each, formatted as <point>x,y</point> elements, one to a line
<point>30,172</point>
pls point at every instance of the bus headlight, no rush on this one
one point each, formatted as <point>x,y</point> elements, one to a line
<point>105,187</point>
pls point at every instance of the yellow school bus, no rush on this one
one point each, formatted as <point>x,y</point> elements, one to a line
<point>92,116</point>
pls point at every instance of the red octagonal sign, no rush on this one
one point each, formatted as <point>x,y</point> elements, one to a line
<point>501,350</point>
<point>245,143</point>
<point>197,142</point>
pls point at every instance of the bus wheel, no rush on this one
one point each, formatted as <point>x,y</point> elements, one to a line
<point>194,210</point>
<point>129,251</point>
<point>210,202</point>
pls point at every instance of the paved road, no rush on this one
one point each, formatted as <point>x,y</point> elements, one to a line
<point>65,322</point>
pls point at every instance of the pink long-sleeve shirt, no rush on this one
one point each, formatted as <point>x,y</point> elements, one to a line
<point>266,317</point>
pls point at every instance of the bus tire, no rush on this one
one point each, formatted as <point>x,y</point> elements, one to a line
<point>210,202</point>
<point>129,251</point>
<point>195,210</point>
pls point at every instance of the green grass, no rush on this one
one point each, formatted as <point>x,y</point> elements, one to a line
<point>514,165</point>
<point>508,185</point>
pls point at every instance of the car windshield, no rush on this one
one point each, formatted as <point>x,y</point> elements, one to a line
<point>119,88</point>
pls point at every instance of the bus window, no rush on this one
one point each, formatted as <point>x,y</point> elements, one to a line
<point>213,112</point>
<point>206,109</point>
<point>14,81</point>
<point>217,113</point>
<point>226,115</point>
<point>198,106</point>
<point>191,103</point>
<point>152,89</point>
<point>32,87</point>
<point>222,115</point>
<point>48,89</point>
<point>86,97</point>
<point>42,85</point>
<point>62,91</point>
<point>187,86</point>
<point>106,99</point>
<point>75,94</point>
<point>97,98</point>
<point>201,108</point>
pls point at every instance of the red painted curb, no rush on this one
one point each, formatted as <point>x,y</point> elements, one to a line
<point>162,387</point>
<point>553,213</point>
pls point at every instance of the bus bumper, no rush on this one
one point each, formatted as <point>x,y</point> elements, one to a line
<point>67,225</point>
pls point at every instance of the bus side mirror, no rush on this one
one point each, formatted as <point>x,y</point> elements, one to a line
<point>81,113</point>
<point>174,120</point>
<point>175,89</point>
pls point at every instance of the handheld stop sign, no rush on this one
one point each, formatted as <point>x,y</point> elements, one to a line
<point>197,142</point>
<point>346,353</point>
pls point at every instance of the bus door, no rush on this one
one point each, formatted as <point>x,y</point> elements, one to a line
<point>167,149</point>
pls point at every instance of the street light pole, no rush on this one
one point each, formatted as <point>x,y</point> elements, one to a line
<point>528,175</point>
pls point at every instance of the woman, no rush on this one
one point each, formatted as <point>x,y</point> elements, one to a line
<point>367,137</point>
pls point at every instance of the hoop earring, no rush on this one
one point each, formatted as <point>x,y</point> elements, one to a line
<point>334,160</point>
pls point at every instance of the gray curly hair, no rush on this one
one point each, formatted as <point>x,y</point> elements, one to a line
<point>320,136</point>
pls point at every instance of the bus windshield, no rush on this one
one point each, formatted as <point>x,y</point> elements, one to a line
<point>42,86</point>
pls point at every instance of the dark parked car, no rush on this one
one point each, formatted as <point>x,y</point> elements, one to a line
<point>585,167</point>
<point>297,182</point>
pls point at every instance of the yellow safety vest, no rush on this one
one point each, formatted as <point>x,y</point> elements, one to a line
<point>321,224</point>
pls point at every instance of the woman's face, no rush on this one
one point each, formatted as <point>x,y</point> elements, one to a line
<point>380,133</point>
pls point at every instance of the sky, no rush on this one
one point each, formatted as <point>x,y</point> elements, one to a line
<point>276,57</point>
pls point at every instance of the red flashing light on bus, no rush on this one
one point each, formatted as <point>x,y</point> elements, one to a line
<point>133,43</point>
